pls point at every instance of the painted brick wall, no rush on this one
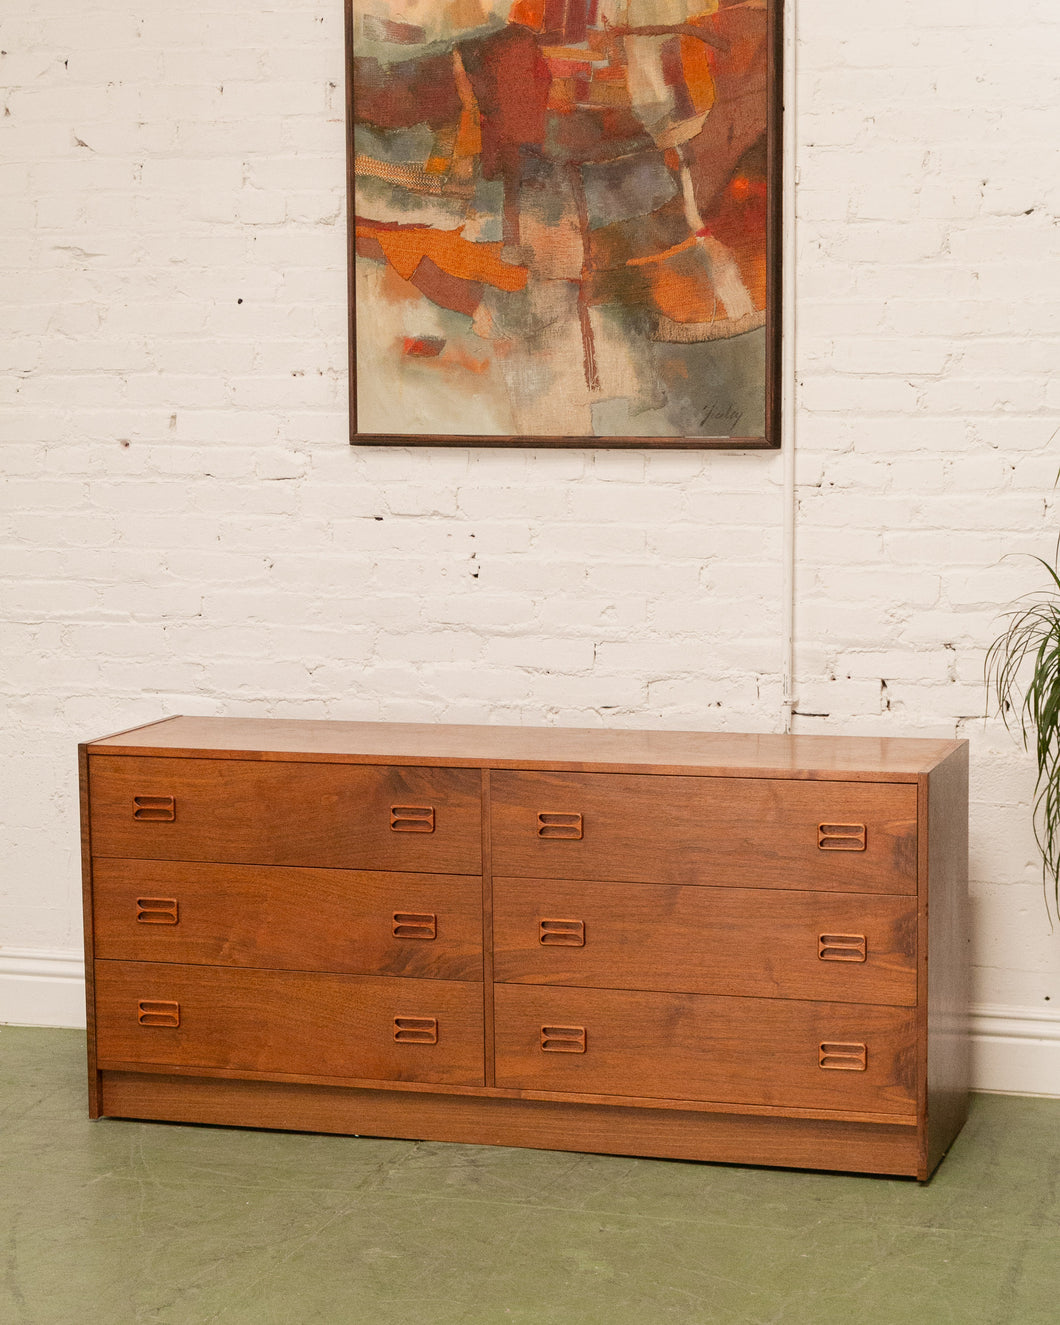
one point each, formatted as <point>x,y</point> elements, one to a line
<point>186,530</point>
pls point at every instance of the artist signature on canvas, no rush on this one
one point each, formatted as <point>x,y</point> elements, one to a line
<point>717,414</point>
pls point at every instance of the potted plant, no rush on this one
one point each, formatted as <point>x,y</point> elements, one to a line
<point>1023,675</point>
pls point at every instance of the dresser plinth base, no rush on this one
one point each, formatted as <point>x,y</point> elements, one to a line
<point>539,1124</point>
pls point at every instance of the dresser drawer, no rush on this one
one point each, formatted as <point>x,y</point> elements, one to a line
<point>273,812</point>
<point>835,1056</point>
<point>745,832</point>
<point>301,1023</point>
<point>758,942</point>
<point>301,919</point>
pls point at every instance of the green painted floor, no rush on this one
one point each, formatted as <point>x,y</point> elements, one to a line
<point>123,1222</point>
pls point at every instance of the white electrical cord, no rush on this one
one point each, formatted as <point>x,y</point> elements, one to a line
<point>787,358</point>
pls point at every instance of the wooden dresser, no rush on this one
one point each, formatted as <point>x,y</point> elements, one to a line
<point>681,944</point>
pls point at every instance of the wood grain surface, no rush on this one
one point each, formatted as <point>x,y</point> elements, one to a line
<point>284,1021</point>
<point>755,942</point>
<point>299,919</point>
<point>250,813</point>
<point>747,1050</point>
<point>725,832</point>
<point>340,925</point>
<point>861,758</point>
<point>724,1138</point>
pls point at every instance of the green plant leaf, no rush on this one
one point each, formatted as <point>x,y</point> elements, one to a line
<point>1023,677</point>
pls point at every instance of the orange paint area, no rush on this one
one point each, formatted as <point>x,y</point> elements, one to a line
<point>468,142</point>
<point>583,77</point>
<point>695,66</point>
<point>678,286</point>
<point>443,357</point>
<point>740,224</point>
<point>528,14</point>
<point>405,247</point>
<point>423,347</point>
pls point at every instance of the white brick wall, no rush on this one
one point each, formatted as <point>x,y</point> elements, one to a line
<point>186,530</point>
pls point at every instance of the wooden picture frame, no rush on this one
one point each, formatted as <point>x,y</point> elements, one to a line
<point>564,222</point>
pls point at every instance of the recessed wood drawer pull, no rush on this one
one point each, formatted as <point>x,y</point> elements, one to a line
<point>151,1012</point>
<point>562,933</point>
<point>157,809</point>
<point>415,925</point>
<point>841,948</point>
<point>156,910</point>
<point>563,1039</point>
<point>844,1057</point>
<point>412,818</point>
<point>841,837</point>
<point>416,1030</point>
<point>559,825</point>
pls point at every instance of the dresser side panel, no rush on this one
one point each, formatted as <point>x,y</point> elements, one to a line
<point>948,1068</point>
<point>94,1093</point>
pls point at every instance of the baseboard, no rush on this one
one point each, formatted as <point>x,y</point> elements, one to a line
<point>1015,1050</point>
<point>41,988</point>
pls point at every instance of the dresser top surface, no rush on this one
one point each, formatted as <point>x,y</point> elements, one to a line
<point>884,758</point>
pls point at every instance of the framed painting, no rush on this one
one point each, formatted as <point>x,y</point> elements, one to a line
<point>564,222</point>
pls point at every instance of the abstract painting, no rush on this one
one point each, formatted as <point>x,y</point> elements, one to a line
<point>564,222</point>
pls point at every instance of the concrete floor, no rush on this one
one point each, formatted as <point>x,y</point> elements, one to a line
<point>123,1222</point>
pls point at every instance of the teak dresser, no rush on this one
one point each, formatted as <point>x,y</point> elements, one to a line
<point>680,944</point>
